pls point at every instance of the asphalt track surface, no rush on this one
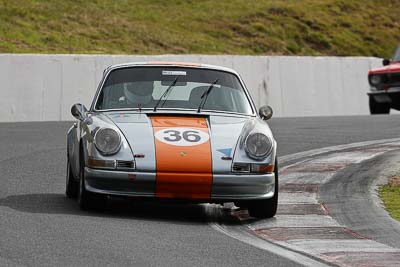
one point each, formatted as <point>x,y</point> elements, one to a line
<point>357,213</point>
<point>39,226</point>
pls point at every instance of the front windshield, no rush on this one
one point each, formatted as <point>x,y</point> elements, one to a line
<point>142,87</point>
<point>396,56</point>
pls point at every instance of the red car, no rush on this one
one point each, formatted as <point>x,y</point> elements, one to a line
<point>385,86</point>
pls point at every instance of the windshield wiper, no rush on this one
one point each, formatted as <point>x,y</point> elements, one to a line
<point>205,95</point>
<point>165,93</point>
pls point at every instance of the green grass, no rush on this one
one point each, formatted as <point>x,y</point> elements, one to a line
<point>391,198</point>
<point>277,27</point>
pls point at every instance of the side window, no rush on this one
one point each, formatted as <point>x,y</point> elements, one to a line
<point>397,55</point>
<point>236,98</point>
<point>232,101</point>
<point>99,103</point>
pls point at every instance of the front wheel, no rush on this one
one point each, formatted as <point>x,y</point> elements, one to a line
<point>72,186</point>
<point>378,108</point>
<point>265,208</point>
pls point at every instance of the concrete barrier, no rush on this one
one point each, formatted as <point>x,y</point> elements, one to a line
<point>43,87</point>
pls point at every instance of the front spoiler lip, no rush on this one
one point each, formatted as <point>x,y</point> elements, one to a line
<point>224,187</point>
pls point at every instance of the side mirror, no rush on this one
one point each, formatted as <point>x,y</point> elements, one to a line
<point>79,111</point>
<point>265,112</point>
<point>385,62</point>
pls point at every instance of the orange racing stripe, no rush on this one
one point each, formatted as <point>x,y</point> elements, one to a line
<point>183,171</point>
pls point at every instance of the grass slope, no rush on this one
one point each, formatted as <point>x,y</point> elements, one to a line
<point>391,198</point>
<point>390,195</point>
<point>289,27</point>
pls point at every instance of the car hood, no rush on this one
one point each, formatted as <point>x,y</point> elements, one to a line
<point>225,135</point>
<point>393,67</point>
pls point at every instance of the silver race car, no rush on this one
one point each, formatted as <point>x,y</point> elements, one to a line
<point>173,131</point>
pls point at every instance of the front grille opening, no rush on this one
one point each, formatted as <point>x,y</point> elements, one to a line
<point>125,165</point>
<point>393,79</point>
<point>241,167</point>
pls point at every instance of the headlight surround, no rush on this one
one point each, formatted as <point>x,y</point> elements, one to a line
<point>107,141</point>
<point>258,146</point>
<point>375,79</point>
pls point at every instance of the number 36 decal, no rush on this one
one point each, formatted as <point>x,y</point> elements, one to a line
<point>182,136</point>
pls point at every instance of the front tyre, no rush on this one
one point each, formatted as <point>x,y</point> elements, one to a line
<point>265,208</point>
<point>72,186</point>
<point>378,108</point>
<point>88,200</point>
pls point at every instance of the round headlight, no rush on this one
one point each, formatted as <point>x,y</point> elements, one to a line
<point>258,145</point>
<point>107,141</point>
<point>375,79</point>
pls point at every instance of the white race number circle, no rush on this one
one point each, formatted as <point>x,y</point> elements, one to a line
<point>182,136</point>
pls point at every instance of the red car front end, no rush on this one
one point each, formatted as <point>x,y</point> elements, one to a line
<point>385,86</point>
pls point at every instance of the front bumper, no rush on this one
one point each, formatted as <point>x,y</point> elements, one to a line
<point>389,96</point>
<point>143,184</point>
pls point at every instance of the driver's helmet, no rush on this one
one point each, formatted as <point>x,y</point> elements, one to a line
<point>139,92</point>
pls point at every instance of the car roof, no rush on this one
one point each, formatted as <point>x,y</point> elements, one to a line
<point>169,64</point>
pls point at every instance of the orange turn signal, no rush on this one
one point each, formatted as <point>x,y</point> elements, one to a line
<point>101,164</point>
<point>262,168</point>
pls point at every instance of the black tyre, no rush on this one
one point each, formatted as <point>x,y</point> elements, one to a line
<point>266,208</point>
<point>378,108</point>
<point>88,200</point>
<point>72,186</point>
